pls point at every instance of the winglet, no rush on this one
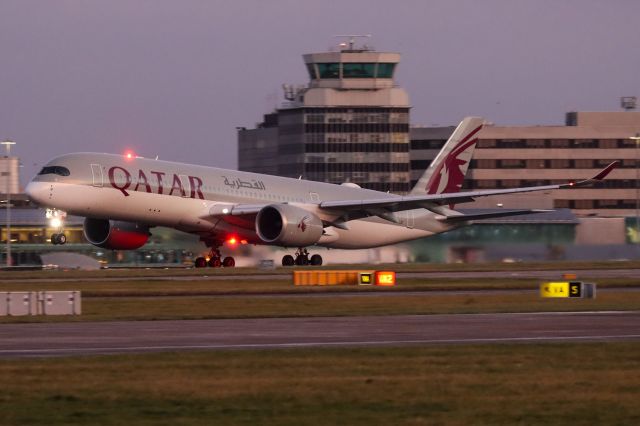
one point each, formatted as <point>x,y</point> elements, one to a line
<point>597,178</point>
<point>606,170</point>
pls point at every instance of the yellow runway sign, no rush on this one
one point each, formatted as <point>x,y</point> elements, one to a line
<point>561,289</point>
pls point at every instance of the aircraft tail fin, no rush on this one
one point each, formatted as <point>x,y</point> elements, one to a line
<point>446,172</point>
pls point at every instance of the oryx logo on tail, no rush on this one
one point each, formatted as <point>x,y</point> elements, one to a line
<point>445,174</point>
<point>449,174</point>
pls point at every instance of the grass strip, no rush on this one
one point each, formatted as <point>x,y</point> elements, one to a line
<point>552,384</point>
<point>161,308</point>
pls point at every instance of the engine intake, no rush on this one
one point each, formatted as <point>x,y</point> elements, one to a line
<point>115,235</point>
<point>288,226</point>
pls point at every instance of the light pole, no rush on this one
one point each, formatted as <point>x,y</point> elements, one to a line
<point>7,144</point>
<point>636,139</point>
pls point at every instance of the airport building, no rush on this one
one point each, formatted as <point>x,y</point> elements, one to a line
<point>349,124</point>
<point>512,156</point>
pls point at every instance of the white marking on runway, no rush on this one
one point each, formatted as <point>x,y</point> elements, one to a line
<point>316,344</point>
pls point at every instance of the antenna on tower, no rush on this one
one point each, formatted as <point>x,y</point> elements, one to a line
<point>350,44</point>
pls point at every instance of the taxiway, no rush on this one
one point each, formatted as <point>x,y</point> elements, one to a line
<point>86,338</point>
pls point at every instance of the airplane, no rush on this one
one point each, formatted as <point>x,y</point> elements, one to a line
<point>123,196</point>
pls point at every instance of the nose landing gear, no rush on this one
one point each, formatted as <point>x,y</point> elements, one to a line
<point>59,238</point>
<point>56,221</point>
<point>302,259</point>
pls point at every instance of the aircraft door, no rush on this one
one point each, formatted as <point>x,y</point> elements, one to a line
<point>96,172</point>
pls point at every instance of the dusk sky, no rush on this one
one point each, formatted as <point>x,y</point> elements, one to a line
<point>175,78</point>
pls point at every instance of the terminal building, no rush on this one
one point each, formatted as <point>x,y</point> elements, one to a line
<point>511,156</point>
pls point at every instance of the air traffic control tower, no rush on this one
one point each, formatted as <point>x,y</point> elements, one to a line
<point>350,124</point>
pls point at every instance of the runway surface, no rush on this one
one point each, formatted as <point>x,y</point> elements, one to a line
<point>221,274</point>
<point>58,339</point>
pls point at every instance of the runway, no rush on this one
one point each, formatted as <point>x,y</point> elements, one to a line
<point>221,274</point>
<point>60,339</point>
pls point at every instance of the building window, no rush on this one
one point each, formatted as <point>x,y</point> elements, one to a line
<point>535,164</point>
<point>385,70</point>
<point>486,164</point>
<point>512,164</point>
<point>559,143</point>
<point>583,204</point>
<point>583,164</point>
<point>362,70</point>
<point>535,143</point>
<point>559,164</point>
<point>487,143</point>
<point>329,70</point>
<point>608,143</point>
<point>511,143</point>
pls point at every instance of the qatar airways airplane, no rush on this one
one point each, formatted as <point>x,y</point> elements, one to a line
<point>123,196</point>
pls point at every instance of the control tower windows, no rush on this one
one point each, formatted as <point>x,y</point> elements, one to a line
<point>329,70</point>
<point>358,70</point>
<point>336,70</point>
<point>385,70</point>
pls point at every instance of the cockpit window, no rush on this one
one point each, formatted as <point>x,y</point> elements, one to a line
<point>56,170</point>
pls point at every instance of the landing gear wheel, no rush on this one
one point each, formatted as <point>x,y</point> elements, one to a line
<point>200,262</point>
<point>316,260</point>
<point>302,260</point>
<point>229,262</point>
<point>287,260</point>
<point>214,262</point>
<point>58,239</point>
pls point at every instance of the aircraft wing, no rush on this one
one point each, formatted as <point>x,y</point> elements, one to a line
<point>385,207</point>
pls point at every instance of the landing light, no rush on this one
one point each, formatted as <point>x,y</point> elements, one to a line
<point>55,222</point>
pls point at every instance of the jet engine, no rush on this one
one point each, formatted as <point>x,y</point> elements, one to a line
<point>115,235</point>
<point>288,226</point>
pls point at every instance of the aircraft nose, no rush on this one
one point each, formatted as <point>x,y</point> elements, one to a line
<point>37,191</point>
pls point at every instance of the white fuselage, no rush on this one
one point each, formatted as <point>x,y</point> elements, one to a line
<point>182,196</point>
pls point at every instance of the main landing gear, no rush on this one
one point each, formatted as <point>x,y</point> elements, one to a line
<point>302,259</point>
<point>215,260</point>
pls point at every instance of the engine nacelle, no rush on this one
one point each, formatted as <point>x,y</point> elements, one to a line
<point>115,235</point>
<point>288,226</point>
